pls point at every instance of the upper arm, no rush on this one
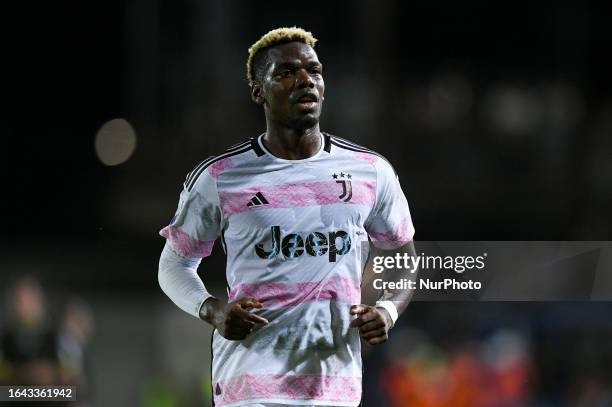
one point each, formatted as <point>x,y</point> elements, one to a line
<point>197,221</point>
<point>389,224</point>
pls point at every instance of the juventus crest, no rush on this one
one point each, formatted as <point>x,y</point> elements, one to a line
<point>347,188</point>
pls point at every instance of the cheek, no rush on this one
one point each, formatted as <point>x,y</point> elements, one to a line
<point>278,92</point>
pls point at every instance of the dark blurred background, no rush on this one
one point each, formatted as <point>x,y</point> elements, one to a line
<point>496,115</point>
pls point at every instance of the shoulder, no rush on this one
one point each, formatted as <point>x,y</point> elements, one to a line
<point>213,166</point>
<point>377,160</point>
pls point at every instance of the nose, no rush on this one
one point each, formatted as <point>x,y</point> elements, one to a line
<point>303,79</point>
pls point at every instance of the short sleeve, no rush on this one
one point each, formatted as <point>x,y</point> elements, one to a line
<point>197,222</point>
<point>389,224</point>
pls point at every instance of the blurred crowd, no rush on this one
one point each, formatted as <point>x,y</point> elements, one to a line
<point>490,373</point>
<point>494,355</point>
<point>43,346</point>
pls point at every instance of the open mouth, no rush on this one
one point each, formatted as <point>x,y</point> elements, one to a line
<point>307,101</point>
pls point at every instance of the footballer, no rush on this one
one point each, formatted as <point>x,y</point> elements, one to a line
<point>294,210</point>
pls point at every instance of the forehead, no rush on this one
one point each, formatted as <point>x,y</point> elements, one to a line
<point>291,52</point>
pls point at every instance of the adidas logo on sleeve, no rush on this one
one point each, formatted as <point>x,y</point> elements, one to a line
<point>258,200</point>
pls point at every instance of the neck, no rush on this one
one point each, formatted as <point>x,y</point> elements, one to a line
<point>292,144</point>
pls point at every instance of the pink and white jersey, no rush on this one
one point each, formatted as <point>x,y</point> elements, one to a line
<point>295,233</point>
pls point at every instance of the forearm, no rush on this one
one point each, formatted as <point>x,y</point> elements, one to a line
<point>396,301</point>
<point>179,280</point>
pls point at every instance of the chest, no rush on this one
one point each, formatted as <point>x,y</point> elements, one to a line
<point>297,198</point>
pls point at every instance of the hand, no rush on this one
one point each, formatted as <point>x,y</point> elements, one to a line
<point>373,323</point>
<point>232,320</point>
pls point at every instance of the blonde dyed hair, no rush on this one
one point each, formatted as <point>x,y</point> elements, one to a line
<point>277,36</point>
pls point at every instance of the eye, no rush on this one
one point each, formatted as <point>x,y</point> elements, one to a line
<point>285,73</point>
<point>316,69</point>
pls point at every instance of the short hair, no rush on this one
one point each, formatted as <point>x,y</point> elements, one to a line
<point>282,35</point>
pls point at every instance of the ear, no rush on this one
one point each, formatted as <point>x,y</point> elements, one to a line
<point>257,93</point>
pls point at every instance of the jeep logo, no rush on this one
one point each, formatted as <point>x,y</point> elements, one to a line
<point>336,243</point>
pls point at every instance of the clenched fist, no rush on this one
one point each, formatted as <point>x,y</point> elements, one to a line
<point>232,320</point>
<point>373,323</point>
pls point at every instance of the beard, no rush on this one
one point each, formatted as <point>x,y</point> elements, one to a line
<point>305,122</point>
<point>293,119</point>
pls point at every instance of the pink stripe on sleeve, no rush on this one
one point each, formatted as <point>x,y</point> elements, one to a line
<point>298,195</point>
<point>185,244</point>
<point>287,387</point>
<point>278,295</point>
<point>396,238</point>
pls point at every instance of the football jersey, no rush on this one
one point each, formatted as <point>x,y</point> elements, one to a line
<point>296,237</point>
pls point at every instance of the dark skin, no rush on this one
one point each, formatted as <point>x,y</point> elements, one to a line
<point>293,72</point>
<point>291,93</point>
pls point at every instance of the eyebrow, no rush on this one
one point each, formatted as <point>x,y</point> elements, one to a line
<point>297,62</point>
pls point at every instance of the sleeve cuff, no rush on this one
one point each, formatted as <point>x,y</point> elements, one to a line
<point>390,307</point>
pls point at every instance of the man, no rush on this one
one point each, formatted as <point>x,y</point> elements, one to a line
<point>293,209</point>
<point>28,345</point>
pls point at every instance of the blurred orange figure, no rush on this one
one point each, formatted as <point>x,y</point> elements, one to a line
<point>431,378</point>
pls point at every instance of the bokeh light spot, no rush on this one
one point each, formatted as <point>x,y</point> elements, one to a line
<point>115,142</point>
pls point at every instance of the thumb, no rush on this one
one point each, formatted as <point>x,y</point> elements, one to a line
<point>358,309</point>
